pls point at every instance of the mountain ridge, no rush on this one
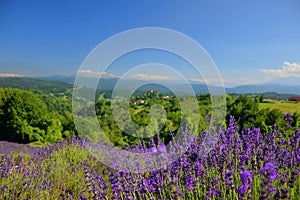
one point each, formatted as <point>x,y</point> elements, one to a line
<point>60,83</point>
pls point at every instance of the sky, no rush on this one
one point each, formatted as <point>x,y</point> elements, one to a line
<point>249,41</point>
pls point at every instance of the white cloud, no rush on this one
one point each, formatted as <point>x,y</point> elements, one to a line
<point>151,77</point>
<point>10,75</point>
<point>287,70</point>
<point>209,81</point>
<point>201,80</point>
<point>89,73</point>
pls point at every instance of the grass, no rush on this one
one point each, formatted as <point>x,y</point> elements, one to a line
<point>37,144</point>
<point>284,106</point>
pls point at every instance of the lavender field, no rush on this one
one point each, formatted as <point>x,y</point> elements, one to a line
<point>149,100</point>
<point>243,165</point>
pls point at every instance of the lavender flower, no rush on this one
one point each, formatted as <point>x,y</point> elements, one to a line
<point>247,179</point>
<point>288,118</point>
<point>162,148</point>
<point>229,179</point>
<point>269,171</point>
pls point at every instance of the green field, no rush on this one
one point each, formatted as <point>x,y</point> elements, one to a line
<point>284,106</point>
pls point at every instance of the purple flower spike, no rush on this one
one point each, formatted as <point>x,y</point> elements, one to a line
<point>269,170</point>
<point>288,117</point>
<point>162,148</point>
<point>243,189</point>
<point>153,150</point>
<point>246,177</point>
<point>268,166</point>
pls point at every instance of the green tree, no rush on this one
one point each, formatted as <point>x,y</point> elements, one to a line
<point>296,120</point>
<point>244,109</point>
<point>261,98</point>
<point>53,128</point>
<point>20,115</point>
<point>273,116</point>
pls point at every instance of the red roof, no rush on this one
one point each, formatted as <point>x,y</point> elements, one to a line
<point>294,99</point>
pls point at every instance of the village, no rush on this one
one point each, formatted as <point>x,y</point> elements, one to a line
<point>150,94</point>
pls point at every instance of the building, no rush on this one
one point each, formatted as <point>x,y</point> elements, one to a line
<point>140,101</point>
<point>152,91</point>
<point>296,99</point>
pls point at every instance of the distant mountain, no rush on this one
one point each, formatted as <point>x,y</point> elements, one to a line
<point>288,86</point>
<point>61,78</point>
<point>105,84</point>
<point>110,83</point>
<point>284,81</point>
<point>282,89</point>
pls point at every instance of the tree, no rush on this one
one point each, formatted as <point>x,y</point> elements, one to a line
<point>53,128</point>
<point>273,117</point>
<point>244,109</point>
<point>261,98</point>
<point>296,117</point>
<point>20,115</point>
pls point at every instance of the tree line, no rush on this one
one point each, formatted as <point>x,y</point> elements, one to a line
<point>35,116</point>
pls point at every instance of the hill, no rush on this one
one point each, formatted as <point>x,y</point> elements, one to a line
<point>49,86</point>
<point>58,84</point>
<point>265,88</point>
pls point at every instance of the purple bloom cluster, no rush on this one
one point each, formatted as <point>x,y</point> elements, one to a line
<point>288,117</point>
<point>242,165</point>
<point>269,173</point>
<point>245,188</point>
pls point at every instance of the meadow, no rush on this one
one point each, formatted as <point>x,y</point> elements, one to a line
<point>283,105</point>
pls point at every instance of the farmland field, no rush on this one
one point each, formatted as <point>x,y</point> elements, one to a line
<point>284,106</point>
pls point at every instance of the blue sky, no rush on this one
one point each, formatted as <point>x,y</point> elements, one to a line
<point>250,41</point>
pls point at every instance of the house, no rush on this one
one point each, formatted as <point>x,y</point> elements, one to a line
<point>140,101</point>
<point>296,99</point>
<point>152,91</point>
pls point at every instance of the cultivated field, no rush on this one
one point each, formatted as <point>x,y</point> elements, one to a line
<point>284,106</point>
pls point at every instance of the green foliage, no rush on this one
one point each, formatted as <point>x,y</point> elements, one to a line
<point>140,115</point>
<point>296,119</point>
<point>21,114</point>
<point>54,87</point>
<point>56,104</point>
<point>24,117</point>
<point>244,109</point>
<point>249,112</point>
<point>261,98</point>
<point>45,117</point>
<point>54,128</point>
<point>274,116</point>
